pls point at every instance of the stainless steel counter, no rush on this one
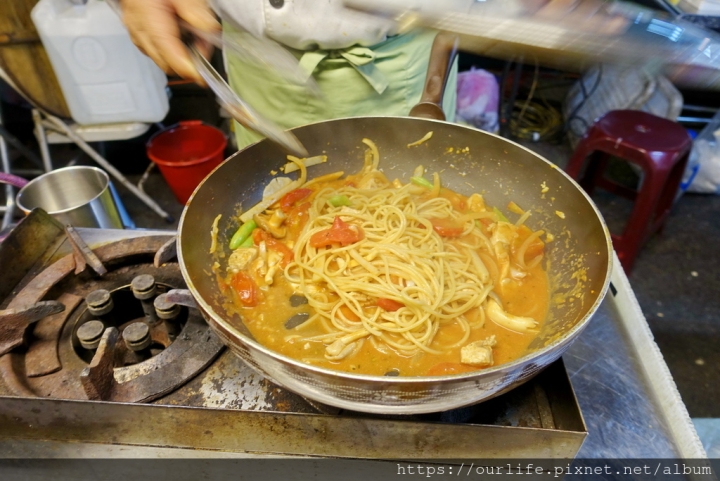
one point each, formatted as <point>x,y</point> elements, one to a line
<point>629,401</point>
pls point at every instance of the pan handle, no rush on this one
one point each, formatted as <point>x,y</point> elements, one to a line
<point>442,57</point>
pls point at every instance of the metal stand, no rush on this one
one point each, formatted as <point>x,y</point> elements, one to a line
<point>42,140</point>
<point>8,209</point>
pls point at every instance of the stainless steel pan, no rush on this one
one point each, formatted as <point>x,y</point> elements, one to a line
<point>578,260</point>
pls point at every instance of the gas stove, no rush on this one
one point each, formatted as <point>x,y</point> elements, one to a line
<point>97,343</point>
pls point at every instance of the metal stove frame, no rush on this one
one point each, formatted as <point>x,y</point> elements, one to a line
<point>230,408</point>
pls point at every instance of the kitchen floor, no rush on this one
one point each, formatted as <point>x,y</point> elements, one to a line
<point>676,277</point>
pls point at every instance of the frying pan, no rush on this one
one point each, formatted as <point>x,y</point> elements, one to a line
<point>578,260</point>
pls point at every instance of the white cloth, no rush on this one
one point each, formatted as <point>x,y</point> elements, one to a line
<point>329,25</point>
<point>308,24</point>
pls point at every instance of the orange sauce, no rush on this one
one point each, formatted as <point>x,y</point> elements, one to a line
<point>528,297</point>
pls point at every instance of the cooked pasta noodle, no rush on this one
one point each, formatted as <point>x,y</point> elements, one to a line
<point>401,258</point>
<point>416,269</point>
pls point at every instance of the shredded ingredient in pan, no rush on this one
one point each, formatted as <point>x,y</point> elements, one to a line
<point>378,277</point>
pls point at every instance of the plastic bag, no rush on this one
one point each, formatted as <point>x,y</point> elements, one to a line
<point>611,87</point>
<point>703,173</point>
<point>478,96</point>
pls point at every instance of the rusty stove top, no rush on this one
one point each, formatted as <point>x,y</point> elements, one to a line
<point>91,315</point>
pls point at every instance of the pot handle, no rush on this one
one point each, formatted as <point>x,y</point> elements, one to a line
<point>442,57</point>
<point>13,180</point>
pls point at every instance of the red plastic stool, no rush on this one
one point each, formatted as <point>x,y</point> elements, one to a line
<point>658,146</point>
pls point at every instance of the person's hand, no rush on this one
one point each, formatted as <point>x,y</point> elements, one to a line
<point>153,27</point>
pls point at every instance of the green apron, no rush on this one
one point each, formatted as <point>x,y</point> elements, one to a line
<point>385,79</point>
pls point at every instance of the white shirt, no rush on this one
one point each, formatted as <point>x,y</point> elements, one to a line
<point>328,24</point>
<point>308,24</point>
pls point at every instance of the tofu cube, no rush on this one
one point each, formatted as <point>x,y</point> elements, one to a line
<point>478,353</point>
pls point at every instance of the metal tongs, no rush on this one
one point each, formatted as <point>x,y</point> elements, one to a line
<point>229,100</point>
<point>241,111</point>
<point>258,50</point>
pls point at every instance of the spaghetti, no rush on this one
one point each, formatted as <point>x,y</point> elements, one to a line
<point>401,258</point>
<point>400,269</point>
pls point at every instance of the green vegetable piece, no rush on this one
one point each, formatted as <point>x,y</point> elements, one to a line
<point>338,200</point>
<point>242,234</point>
<point>422,182</point>
<point>500,215</point>
<point>249,242</point>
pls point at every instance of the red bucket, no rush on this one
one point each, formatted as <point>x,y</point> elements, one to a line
<point>186,153</point>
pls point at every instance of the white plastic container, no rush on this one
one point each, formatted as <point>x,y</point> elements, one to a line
<point>104,77</point>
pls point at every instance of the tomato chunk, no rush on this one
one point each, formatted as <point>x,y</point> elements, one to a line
<point>289,199</point>
<point>447,227</point>
<point>458,201</point>
<point>297,218</point>
<point>246,289</point>
<point>340,233</point>
<point>389,304</point>
<point>260,235</point>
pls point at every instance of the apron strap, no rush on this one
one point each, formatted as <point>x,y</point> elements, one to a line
<point>361,58</point>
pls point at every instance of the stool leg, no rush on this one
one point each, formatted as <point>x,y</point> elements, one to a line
<point>669,193</point>
<point>595,171</point>
<point>641,219</point>
<point>577,160</point>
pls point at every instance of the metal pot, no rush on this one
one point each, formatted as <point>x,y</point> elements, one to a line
<point>80,196</point>
<point>579,259</point>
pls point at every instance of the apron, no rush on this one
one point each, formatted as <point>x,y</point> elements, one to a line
<point>382,80</point>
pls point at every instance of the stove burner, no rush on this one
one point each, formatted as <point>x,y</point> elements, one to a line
<point>145,289</point>
<point>165,308</point>
<point>99,302</point>
<point>137,336</point>
<point>77,354</point>
<point>144,332</point>
<point>89,334</point>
